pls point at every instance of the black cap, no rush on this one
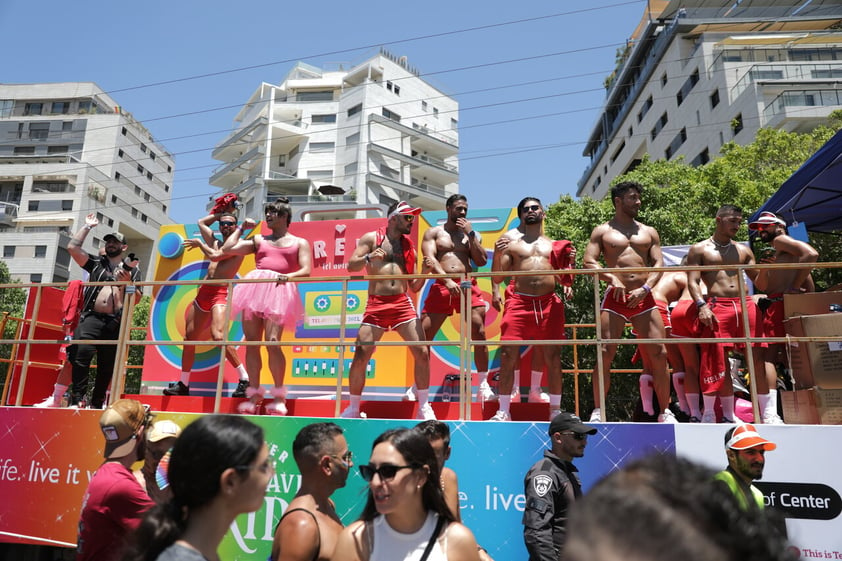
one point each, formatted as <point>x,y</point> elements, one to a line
<point>117,236</point>
<point>565,421</point>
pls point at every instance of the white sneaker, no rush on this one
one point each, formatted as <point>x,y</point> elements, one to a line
<point>351,413</point>
<point>485,393</point>
<point>409,394</point>
<point>426,413</point>
<point>667,417</point>
<point>515,394</point>
<point>596,416</point>
<point>709,417</point>
<point>49,402</point>
<point>773,419</point>
<point>501,416</point>
<point>537,396</point>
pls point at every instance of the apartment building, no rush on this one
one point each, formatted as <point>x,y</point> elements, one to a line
<point>66,150</point>
<point>700,73</point>
<point>331,140</point>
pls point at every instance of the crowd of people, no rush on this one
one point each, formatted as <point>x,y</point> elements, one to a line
<point>196,480</point>
<point>697,303</point>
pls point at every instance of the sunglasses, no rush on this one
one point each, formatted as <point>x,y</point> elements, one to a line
<point>347,457</point>
<point>532,208</point>
<point>576,435</point>
<point>408,217</point>
<point>387,472</point>
<point>227,223</point>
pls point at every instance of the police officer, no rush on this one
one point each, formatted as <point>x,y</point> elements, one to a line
<point>551,486</point>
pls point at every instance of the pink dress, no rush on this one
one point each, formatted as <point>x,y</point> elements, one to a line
<point>276,302</point>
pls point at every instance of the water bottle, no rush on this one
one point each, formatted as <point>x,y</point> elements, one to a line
<point>449,387</point>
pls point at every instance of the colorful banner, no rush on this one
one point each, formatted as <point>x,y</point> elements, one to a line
<point>49,455</point>
<point>312,369</point>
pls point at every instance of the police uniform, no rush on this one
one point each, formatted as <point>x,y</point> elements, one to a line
<point>551,486</point>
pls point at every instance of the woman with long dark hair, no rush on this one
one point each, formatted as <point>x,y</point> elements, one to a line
<point>219,468</point>
<point>268,308</point>
<point>405,517</point>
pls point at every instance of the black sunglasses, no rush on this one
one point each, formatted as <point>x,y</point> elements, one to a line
<point>577,435</point>
<point>387,472</point>
<point>227,223</point>
<point>533,208</point>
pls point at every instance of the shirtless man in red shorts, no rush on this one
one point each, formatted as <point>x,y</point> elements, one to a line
<point>625,242</point>
<point>207,313</point>
<point>532,310</point>
<point>449,249</point>
<point>389,252</point>
<point>775,283</point>
<point>721,310</point>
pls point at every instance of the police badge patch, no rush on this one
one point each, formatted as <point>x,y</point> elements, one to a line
<point>542,484</point>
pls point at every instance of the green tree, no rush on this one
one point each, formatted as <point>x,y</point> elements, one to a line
<point>12,301</point>
<point>680,202</point>
<point>140,318</point>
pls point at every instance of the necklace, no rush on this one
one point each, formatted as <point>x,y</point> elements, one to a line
<point>725,246</point>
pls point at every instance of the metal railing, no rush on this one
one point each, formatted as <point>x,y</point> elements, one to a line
<point>465,342</point>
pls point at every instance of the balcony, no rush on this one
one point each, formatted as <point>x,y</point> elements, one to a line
<point>230,174</point>
<point>801,110</point>
<point>421,138</point>
<point>8,213</point>
<point>234,142</point>
<point>422,194</point>
<point>436,170</point>
<point>795,72</point>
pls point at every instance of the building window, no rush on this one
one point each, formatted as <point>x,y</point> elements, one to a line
<point>663,79</point>
<point>143,218</point>
<point>315,95</point>
<point>66,205</point>
<point>39,131</point>
<point>396,89</point>
<point>321,174</point>
<point>355,109</point>
<point>149,175</point>
<point>87,106</point>
<point>60,107</point>
<point>662,122</point>
<point>57,149</point>
<point>454,124</point>
<point>152,155</point>
<point>327,118</point>
<point>6,106</point>
<point>33,108</point>
<point>423,106</point>
<point>714,99</point>
<point>737,124</point>
<point>166,188</point>
<point>352,140</point>
<point>113,199</point>
<point>124,132</point>
<point>24,150</point>
<point>140,169</point>
<point>40,251</point>
<point>351,169</point>
<point>701,159</point>
<point>391,115</point>
<point>120,152</point>
<point>117,175</point>
<point>8,251</point>
<point>389,172</point>
<point>616,153</point>
<point>143,148</point>
<point>322,146</point>
<point>35,277</point>
<point>645,109</point>
<point>67,125</point>
<point>435,111</point>
<point>164,208</point>
<point>169,169</point>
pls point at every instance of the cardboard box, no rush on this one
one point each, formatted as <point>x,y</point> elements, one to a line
<point>817,363</point>
<point>810,304</point>
<point>812,407</point>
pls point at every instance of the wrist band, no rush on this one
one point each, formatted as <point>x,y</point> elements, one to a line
<point>700,303</point>
<point>239,227</point>
<point>88,227</point>
<point>647,288</point>
<point>367,258</point>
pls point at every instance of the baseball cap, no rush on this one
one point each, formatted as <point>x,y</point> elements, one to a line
<point>765,219</point>
<point>163,429</point>
<point>744,437</point>
<point>404,208</point>
<point>119,424</point>
<point>565,421</point>
<point>117,236</point>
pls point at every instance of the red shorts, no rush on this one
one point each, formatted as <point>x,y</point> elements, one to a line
<point>440,301</point>
<point>685,319</point>
<point>620,308</point>
<point>773,317</point>
<point>388,312</point>
<point>729,318</point>
<point>532,317</point>
<point>211,295</point>
<point>663,307</point>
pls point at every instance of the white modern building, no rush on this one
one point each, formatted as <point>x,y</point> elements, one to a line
<point>330,140</point>
<point>700,73</point>
<point>66,150</point>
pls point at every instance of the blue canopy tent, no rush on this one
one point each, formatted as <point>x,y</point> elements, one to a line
<point>813,194</point>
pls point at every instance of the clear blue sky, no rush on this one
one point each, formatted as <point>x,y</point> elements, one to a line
<point>527,74</point>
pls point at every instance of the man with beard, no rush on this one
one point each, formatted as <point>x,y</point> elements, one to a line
<point>720,311</point>
<point>533,310</point>
<point>208,312</point>
<point>552,486</point>
<point>449,249</point>
<point>114,501</point>
<point>309,528</point>
<point>746,452</point>
<point>775,283</point>
<point>625,242</point>
<point>101,311</point>
<point>389,251</point>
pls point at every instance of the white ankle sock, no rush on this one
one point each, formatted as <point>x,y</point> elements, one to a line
<point>355,402</point>
<point>58,392</point>
<point>423,397</point>
<point>504,403</point>
<point>242,372</point>
<point>185,378</point>
<point>482,377</point>
<point>693,403</point>
<point>535,381</point>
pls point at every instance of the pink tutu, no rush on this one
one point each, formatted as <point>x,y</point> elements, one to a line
<point>275,302</point>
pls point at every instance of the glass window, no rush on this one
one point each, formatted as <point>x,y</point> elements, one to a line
<point>33,108</point>
<point>6,106</point>
<point>8,251</point>
<point>24,150</point>
<point>40,251</point>
<point>35,277</point>
<point>60,107</point>
<point>67,125</point>
<point>327,118</point>
<point>66,205</point>
<point>391,115</point>
<point>355,109</point>
<point>39,131</point>
<point>322,146</point>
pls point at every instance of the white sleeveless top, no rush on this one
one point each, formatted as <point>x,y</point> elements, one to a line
<point>391,545</point>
